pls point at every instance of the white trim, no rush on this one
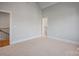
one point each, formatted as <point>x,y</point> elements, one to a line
<point>64,40</point>
<point>5,11</point>
<point>22,40</point>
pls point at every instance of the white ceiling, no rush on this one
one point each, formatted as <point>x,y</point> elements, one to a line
<point>46,4</point>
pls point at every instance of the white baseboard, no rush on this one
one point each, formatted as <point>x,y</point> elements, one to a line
<point>64,40</point>
<point>30,38</point>
<point>38,36</point>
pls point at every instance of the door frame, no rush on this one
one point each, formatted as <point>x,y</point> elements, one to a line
<point>10,20</point>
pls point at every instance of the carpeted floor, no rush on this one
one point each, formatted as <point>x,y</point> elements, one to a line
<point>41,47</point>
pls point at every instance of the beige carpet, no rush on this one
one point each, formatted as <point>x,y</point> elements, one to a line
<point>41,47</point>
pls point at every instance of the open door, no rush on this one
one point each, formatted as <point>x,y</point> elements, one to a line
<point>4,29</point>
<point>44,27</point>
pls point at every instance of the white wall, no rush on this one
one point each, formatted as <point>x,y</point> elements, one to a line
<point>43,5</point>
<point>4,20</point>
<point>26,19</point>
<point>63,20</point>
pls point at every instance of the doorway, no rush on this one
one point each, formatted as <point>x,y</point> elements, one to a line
<point>44,27</point>
<point>4,29</point>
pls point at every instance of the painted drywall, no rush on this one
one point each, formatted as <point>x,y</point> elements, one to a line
<point>43,5</point>
<point>4,20</point>
<point>63,20</point>
<point>25,19</point>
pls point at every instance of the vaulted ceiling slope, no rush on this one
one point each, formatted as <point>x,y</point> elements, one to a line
<point>43,5</point>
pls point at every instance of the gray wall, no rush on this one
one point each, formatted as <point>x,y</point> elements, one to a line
<point>4,20</point>
<point>26,20</point>
<point>63,20</point>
